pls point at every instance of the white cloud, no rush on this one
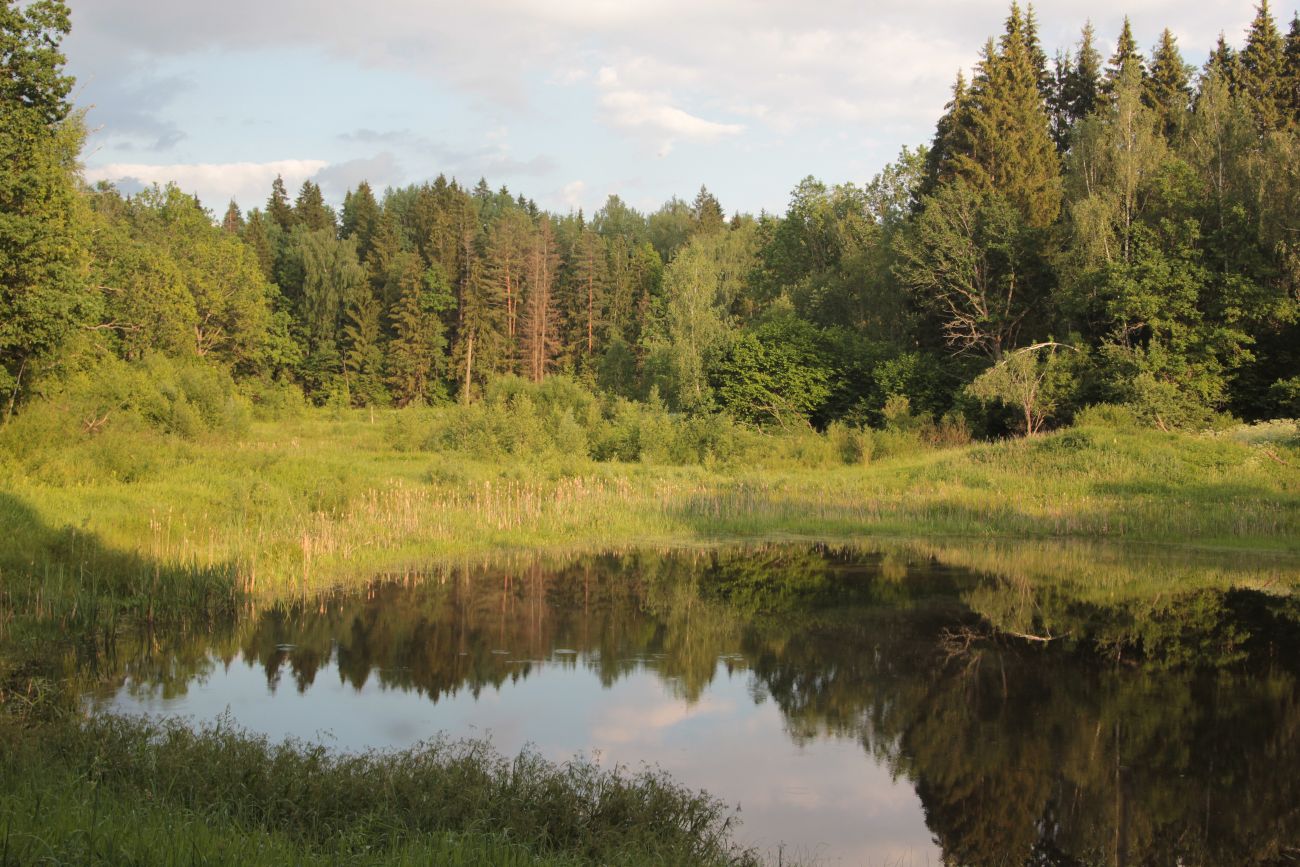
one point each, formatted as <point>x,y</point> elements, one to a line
<point>652,113</point>
<point>574,194</point>
<point>215,183</point>
<point>663,71</point>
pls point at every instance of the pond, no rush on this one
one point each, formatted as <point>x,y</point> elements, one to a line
<point>898,704</point>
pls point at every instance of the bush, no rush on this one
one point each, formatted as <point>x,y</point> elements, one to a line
<point>274,400</point>
<point>121,419</point>
<point>1107,415</point>
<point>851,444</point>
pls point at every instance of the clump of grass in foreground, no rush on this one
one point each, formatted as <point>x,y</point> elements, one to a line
<point>115,790</point>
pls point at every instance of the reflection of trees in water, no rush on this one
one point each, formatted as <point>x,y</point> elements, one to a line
<point>1021,753</point>
<point>1030,756</point>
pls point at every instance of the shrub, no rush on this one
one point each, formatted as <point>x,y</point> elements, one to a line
<point>1107,415</point>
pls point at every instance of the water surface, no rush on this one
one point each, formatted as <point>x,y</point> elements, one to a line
<point>908,704</point>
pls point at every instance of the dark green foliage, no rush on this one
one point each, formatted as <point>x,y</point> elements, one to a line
<point>1077,88</point>
<point>361,217</point>
<point>1168,88</point>
<point>778,373</point>
<point>1126,56</point>
<point>1262,71</point>
<point>999,138</point>
<point>310,210</point>
<point>278,207</point>
<point>417,352</point>
<point>41,250</point>
<point>1291,71</point>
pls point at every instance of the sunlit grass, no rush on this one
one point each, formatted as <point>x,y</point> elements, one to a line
<point>305,504</point>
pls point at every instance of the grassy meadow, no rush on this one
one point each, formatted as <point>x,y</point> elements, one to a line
<point>300,505</point>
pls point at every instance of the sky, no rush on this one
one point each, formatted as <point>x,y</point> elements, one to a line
<point>565,101</point>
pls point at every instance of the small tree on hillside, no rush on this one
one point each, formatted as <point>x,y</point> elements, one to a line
<point>1034,380</point>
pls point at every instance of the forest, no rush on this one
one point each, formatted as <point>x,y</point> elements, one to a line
<point>1079,232</point>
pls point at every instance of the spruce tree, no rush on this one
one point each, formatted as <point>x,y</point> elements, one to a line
<point>360,218</point>
<point>1002,140</point>
<point>1168,88</point>
<point>1262,70</point>
<point>507,254</point>
<point>310,209</point>
<point>938,159</point>
<point>278,207</point>
<point>1291,73</point>
<point>417,352</point>
<point>1126,54</point>
<point>385,247</point>
<point>1223,64</point>
<point>541,328</point>
<point>1045,80</point>
<point>363,357</point>
<point>257,235</point>
<point>706,210</point>
<point>233,221</point>
<point>591,272</point>
<point>1079,87</point>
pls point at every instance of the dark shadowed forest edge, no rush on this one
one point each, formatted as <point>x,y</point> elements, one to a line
<point>1060,343</point>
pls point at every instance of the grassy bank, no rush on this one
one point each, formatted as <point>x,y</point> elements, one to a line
<point>297,506</point>
<point>115,791</point>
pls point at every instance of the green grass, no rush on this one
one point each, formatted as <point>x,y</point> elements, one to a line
<point>297,506</point>
<point>118,791</point>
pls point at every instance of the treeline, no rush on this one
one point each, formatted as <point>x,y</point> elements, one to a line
<point>1079,232</point>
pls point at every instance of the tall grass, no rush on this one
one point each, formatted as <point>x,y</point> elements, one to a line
<point>111,790</point>
<point>303,504</point>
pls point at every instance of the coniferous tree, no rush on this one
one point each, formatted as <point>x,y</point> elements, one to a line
<point>1036,53</point>
<point>1126,54</point>
<point>363,358</point>
<point>385,247</point>
<point>1168,88</point>
<point>1291,72</point>
<point>1262,69</point>
<point>1223,63</point>
<point>541,339</point>
<point>939,158</point>
<point>416,355</point>
<point>1002,140</point>
<point>1078,87</point>
<point>310,210</point>
<point>278,207</point>
<point>479,349</point>
<point>706,210</point>
<point>591,274</point>
<point>507,261</point>
<point>233,221</point>
<point>360,218</point>
<point>257,235</point>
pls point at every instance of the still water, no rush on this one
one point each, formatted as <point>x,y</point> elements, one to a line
<point>902,705</point>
